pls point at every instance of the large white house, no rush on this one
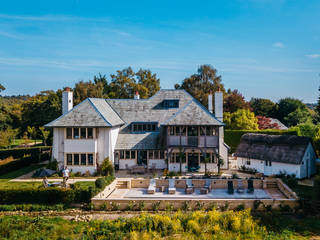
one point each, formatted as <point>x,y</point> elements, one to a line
<point>169,130</point>
<point>273,154</point>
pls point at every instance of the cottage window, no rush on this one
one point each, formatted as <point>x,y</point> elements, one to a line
<point>90,132</point>
<point>69,159</point>
<point>172,158</point>
<point>83,159</point>
<point>208,158</point>
<point>76,159</point>
<point>170,103</point>
<point>268,163</point>
<point>202,159</point>
<point>171,131</point>
<point>83,133</point>
<point>69,133</point>
<point>248,162</point>
<point>192,131</point>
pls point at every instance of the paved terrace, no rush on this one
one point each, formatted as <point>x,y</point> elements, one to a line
<point>141,193</point>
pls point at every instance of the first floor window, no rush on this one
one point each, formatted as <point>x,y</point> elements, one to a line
<point>161,154</point>
<point>90,132</point>
<point>248,162</point>
<point>121,154</point>
<point>76,159</point>
<point>69,133</point>
<point>76,133</point>
<point>150,154</point>
<point>133,154</point>
<point>83,133</point>
<point>127,154</point>
<point>90,159</point>
<point>83,159</point>
<point>69,159</point>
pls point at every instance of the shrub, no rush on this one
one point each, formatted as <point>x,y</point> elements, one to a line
<point>156,205</point>
<point>106,168</point>
<point>316,188</point>
<point>240,207</point>
<point>100,183</point>
<point>17,153</point>
<point>32,207</point>
<point>53,165</point>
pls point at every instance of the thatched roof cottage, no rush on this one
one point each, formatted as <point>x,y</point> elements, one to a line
<point>272,154</point>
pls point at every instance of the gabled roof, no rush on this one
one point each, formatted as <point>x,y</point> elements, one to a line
<point>89,113</point>
<point>147,140</point>
<point>276,148</point>
<point>193,114</point>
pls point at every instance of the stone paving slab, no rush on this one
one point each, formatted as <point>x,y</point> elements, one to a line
<point>139,193</point>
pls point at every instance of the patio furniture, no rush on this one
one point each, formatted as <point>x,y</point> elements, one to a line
<point>230,187</point>
<point>250,186</point>
<point>189,186</point>
<point>162,188</point>
<point>171,189</point>
<point>152,186</point>
<point>240,188</point>
<point>207,187</point>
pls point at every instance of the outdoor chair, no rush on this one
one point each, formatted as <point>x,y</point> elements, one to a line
<point>250,186</point>
<point>240,188</point>
<point>189,186</point>
<point>172,188</point>
<point>152,186</point>
<point>207,187</point>
<point>230,187</point>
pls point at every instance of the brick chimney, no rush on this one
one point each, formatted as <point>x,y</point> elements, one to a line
<point>67,100</point>
<point>137,96</point>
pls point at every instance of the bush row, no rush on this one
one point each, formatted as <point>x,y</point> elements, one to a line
<point>23,162</point>
<point>31,207</point>
<point>232,137</point>
<point>21,152</point>
<point>75,194</point>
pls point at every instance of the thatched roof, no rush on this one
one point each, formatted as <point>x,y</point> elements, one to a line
<point>275,148</point>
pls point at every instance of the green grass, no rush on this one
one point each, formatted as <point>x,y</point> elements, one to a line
<point>4,179</point>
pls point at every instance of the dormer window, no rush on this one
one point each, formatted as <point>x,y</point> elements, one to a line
<point>144,126</point>
<point>170,103</point>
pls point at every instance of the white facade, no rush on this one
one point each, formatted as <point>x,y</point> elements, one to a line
<point>304,170</point>
<point>101,146</point>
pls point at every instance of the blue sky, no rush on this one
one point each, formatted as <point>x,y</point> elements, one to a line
<point>263,48</point>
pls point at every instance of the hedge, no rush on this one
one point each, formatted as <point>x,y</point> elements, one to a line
<point>22,152</point>
<point>75,194</point>
<point>23,162</point>
<point>232,137</point>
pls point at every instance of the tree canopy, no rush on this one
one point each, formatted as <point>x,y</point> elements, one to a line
<point>262,107</point>
<point>201,83</point>
<point>234,101</point>
<point>242,119</point>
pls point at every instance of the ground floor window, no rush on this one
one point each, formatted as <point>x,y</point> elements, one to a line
<point>248,162</point>
<point>79,159</point>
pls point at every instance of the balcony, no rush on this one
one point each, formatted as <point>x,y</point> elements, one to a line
<point>191,141</point>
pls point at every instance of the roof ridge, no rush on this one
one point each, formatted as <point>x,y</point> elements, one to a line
<point>96,109</point>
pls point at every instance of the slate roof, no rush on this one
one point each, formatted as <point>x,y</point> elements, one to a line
<point>275,148</point>
<point>94,112</point>
<point>89,113</point>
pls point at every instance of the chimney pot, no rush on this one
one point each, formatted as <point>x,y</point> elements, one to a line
<point>137,96</point>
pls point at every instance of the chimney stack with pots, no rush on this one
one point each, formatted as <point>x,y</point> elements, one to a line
<point>210,107</point>
<point>137,96</point>
<point>218,105</point>
<point>67,100</point>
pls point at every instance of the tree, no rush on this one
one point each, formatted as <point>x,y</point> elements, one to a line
<point>45,135</point>
<point>262,107</point>
<point>32,133</point>
<point>102,79</point>
<point>6,137</point>
<point>300,115</point>
<point>122,84</point>
<point>220,162</point>
<point>148,80</point>
<point>2,88</point>
<point>84,90</point>
<point>266,123</point>
<point>317,110</point>
<point>288,106</point>
<point>200,84</point>
<point>234,101</point>
<point>241,120</point>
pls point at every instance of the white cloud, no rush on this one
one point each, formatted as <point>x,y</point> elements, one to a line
<point>315,55</point>
<point>9,35</point>
<point>278,45</point>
